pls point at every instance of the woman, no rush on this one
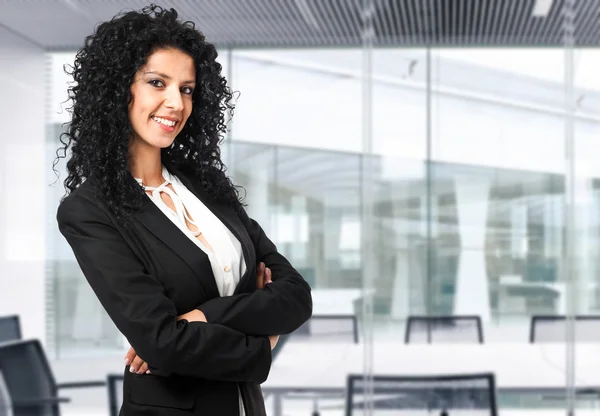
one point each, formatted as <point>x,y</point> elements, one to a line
<point>158,229</point>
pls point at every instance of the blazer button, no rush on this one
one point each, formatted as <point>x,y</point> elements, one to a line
<point>226,268</point>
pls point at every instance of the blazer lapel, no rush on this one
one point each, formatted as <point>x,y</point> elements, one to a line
<point>228,217</point>
<point>162,227</point>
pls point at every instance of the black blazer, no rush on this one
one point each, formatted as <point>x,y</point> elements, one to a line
<point>147,274</point>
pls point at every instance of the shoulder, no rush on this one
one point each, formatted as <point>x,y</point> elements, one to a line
<point>82,203</point>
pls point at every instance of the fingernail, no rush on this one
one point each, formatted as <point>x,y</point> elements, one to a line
<point>270,281</point>
<point>148,372</point>
<point>131,369</point>
<point>126,361</point>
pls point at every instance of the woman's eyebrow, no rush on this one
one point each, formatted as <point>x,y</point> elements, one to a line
<point>160,74</point>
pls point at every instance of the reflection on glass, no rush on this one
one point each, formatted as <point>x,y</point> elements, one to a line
<point>496,231</point>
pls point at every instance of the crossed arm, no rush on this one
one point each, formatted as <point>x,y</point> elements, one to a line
<point>139,366</point>
<point>258,313</point>
<point>224,339</point>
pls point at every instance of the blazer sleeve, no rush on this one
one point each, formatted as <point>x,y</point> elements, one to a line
<point>280,308</point>
<point>136,302</point>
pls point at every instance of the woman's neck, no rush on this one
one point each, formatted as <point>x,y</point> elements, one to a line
<point>147,166</point>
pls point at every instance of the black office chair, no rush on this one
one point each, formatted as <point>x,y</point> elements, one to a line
<point>436,395</point>
<point>5,402</point>
<point>29,379</point>
<point>552,328</point>
<point>10,328</point>
<point>443,329</point>
<point>115,393</point>
<point>328,328</point>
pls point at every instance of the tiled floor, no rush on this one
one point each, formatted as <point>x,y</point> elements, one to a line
<point>291,408</point>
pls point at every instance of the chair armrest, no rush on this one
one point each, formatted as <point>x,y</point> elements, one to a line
<point>81,384</point>
<point>39,401</point>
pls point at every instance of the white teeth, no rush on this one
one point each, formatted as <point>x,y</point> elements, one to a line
<point>163,121</point>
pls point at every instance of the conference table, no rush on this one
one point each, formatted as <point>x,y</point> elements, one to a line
<point>519,368</point>
<point>336,301</point>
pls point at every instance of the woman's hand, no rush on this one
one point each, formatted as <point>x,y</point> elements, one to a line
<point>273,340</point>
<point>138,365</point>
<point>195,315</point>
<point>263,276</point>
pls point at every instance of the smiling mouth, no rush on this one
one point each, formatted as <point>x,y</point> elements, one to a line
<point>170,128</point>
<point>164,122</point>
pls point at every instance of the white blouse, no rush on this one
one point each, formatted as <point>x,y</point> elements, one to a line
<point>227,260</point>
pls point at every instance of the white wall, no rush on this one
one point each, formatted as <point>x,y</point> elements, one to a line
<point>58,92</point>
<point>22,177</point>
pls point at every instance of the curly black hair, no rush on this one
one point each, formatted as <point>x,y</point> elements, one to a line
<point>100,129</point>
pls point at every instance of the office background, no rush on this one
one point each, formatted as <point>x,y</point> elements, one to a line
<point>456,234</point>
<point>461,169</point>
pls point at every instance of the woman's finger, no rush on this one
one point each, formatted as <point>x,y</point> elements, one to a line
<point>136,364</point>
<point>143,368</point>
<point>129,356</point>
<point>260,273</point>
<point>268,276</point>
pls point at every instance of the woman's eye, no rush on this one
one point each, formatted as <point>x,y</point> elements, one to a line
<point>155,83</point>
<point>187,90</point>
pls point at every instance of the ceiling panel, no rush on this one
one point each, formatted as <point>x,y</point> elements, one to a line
<point>62,24</point>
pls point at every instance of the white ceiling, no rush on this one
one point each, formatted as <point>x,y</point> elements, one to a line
<point>63,24</point>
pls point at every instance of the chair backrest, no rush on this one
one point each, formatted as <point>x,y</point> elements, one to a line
<point>115,393</point>
<point>5,403</point>
<point>434,395</point>
<point>28,376</point>
<point>443,329</point>
<point>328,328</point>
<point>552,328</point>
<point>10,328</point>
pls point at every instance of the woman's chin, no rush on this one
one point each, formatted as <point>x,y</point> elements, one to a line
<point>162,144</point>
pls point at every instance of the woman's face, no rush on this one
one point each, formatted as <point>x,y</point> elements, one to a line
<point>162,97</point>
